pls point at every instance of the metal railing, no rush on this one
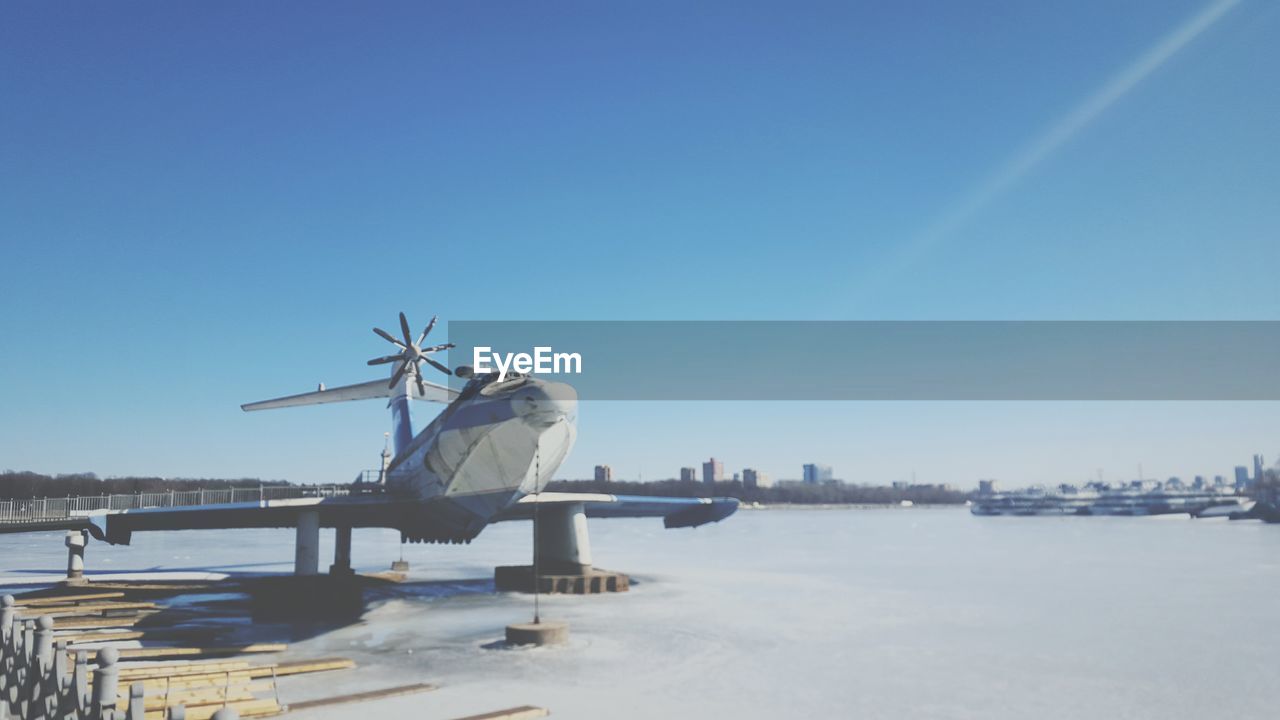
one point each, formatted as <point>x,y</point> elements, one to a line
<point>38,509</point>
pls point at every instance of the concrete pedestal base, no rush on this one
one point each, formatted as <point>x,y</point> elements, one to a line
<point>590,581</point>
<point>562,552</point>
<point>546,632</point>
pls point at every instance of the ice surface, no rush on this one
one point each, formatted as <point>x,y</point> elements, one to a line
<point>909,613</point>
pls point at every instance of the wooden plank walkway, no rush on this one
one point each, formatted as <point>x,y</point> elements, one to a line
<point>523,712</point>
<point>168,653</point>
<point>396,691</point>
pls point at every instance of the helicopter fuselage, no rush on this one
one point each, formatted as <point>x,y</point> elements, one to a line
<point>498,441</point>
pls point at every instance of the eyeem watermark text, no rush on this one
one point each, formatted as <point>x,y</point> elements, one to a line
<point>544,360</point>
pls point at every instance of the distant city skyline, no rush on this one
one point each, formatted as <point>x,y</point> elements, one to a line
<point>815,473</point>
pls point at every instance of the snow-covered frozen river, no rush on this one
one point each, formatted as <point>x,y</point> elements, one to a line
<point>913,613</point>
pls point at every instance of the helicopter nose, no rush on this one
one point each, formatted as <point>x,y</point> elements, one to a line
<point>545,404</point>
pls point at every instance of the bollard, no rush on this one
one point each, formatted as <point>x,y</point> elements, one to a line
<point>39,690</point>
<point>6,618</point>
<point>28,651</point>
<point>6,652</point>
<point>137,701</point>
<point>106,680</point>
<point>78,697</point>
<point>226,713</point>
<point>176,712</point>
<point>7,649</point>
<point>14,666</point>
<point>7,670</point>
<point>60,671</point>
<point>43,643</point>
<point>64,705</point>
<point>25,659</point>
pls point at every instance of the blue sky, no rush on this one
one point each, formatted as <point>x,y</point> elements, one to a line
<point>206,204</point>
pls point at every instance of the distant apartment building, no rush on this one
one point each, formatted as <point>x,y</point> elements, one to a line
<point>752,478</point>
<point>815,474</point>
<point>1242,477</point>
<point>712,471</point>
<point>988,487</point>
<point>604,473</point>
<point>688,474</point>
<point>1258,472</point>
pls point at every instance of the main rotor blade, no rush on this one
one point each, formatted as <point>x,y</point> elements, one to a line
<point>404,327</point>
<point>438,366</point>
<point>399,374</point>
<point>422,387</point>
<point>387,336</point>
<point>428,329</point>
<point>385,360</point>
<point>437,348</point>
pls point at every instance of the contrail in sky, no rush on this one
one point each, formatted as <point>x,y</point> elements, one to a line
<point>1054,137</point>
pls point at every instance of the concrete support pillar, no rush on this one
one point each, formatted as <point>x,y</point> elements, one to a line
<point>561,545</point>
<point>306,556</point>
<point>341,551</point>
<point>76,541</point>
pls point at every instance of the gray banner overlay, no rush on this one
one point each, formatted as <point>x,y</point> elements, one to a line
<point>892,360</point>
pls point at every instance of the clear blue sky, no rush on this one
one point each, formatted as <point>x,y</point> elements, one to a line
<point>206,204</point>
